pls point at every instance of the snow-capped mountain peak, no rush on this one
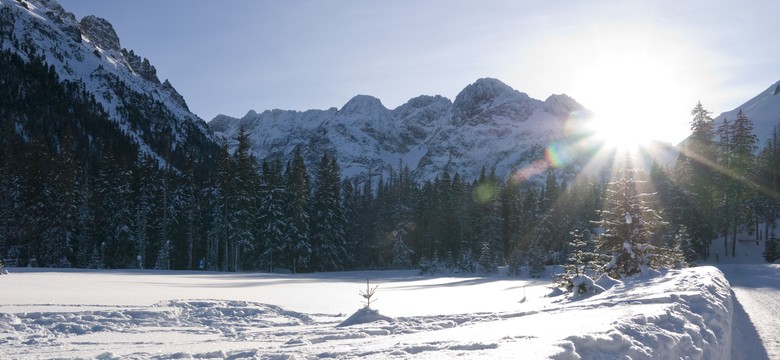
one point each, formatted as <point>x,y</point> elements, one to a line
<point>763,110</point>
<point>100,32</point>
<point>363,105</point>
<point>486,98</point>
<point>489,125</point>
<point>89,52</point>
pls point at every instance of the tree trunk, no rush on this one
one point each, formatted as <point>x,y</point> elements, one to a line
<point>734,240</point>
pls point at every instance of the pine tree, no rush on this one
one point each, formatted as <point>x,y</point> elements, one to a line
<point>245,185</point>
<point>767,207</point>
<point>487,260</point>
<point>694,174</point>
<point>220,193</point>
<point>272,215</point>
<point>163,261</point>
<point>327,218</point>
<point>771,250</point>
<point>113,226</point>
<point>189,214</point>
<point>298,249</point>
<point>578,262</point>
<point>628,222</point>
<point>737,146</point>
<point>144,202</point>
<point>537,257</point>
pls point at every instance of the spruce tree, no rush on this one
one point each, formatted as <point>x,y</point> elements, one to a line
<point>771,250</point>
<point>327,218</point>
<point>694,174</point>
<point>737,146</point>
<point>628,222</point>
<point>298,249</point>
<point>245,185</point>
<point>272,215</point>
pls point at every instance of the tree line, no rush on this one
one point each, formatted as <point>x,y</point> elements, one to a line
<point>75,191</point>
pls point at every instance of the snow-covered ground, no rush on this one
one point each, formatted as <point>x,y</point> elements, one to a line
<point>153,314</point>
<point>756,289</point>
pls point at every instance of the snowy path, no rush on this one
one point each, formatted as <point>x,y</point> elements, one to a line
<point>756,326</point>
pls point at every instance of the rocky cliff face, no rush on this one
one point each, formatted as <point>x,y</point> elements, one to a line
<point>489,125</point>
<point>89,52</point>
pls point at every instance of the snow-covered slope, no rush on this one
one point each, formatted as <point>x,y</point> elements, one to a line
<point>89,52</point>
<point>488,125</point>
<point>763,110</point>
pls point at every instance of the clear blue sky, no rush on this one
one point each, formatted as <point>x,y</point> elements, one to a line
<point>231,56</point>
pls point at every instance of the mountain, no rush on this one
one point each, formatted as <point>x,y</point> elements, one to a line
<point>489,125</point>
<point>88,54</point>
<point>763,110</point>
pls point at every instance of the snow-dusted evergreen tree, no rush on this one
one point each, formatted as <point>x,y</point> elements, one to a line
<point>217,232</point>
<point>145,192</point>
<point>352,214</point>
<point>298,250</point>
<point>168,206</point>
<point>85,221</point>
<point>35,201</point>
<point>737,146</point>
<point>515,263</point>
<point>688,246</point>
<point>245,184</point>
<point>510,213</point>
<point>487,221</point>
<point>537,258</point>
<point>579,260</point>
<point>9,195</point>
<point>771,250</point>
<point>190,208</point>
<point>327,218</point>
<point>163,259</point>
<point>219,193</point>
<point>272,215</point>
<point>694,174</point>
<point>487,259</point>
<point>113,225</point>
<point>59,237</point>
<point>402,217</point>
<point>628,223</point>
<point>767,208</point>
<point>402,253</point>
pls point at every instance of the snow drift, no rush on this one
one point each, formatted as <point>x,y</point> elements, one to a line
<point>147,314</point>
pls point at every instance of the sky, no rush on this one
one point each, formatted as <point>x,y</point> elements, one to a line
<point>640,63</point>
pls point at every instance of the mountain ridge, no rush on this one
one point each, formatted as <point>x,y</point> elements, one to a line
<point>489,125</point>
<point>152,113</point>
<point>763,110</point>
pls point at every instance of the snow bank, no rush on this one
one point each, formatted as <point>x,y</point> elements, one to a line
<point>80,314</point>
<point>363,316</point>
<point>683,314</point>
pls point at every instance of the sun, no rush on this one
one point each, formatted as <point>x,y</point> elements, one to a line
<point>630,95</point>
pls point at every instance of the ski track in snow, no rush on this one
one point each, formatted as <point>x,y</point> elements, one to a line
<point>671,314</point>
<point>757,310</point>
<point>270,330</point>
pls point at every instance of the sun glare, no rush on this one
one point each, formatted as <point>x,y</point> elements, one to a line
<point>626,94</point>
<point>631,95</point>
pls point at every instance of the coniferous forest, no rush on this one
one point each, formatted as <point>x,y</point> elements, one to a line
<point>75,191</point>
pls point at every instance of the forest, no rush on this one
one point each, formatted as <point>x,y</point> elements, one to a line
<point>75,191</point>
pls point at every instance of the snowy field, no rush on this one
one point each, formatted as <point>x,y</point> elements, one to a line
<point>151,314</point>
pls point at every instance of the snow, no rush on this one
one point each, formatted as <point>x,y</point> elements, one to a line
<point>44,25</point>
<point>762,110</point>
<point>756,290</point>
<point>140,314</point>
